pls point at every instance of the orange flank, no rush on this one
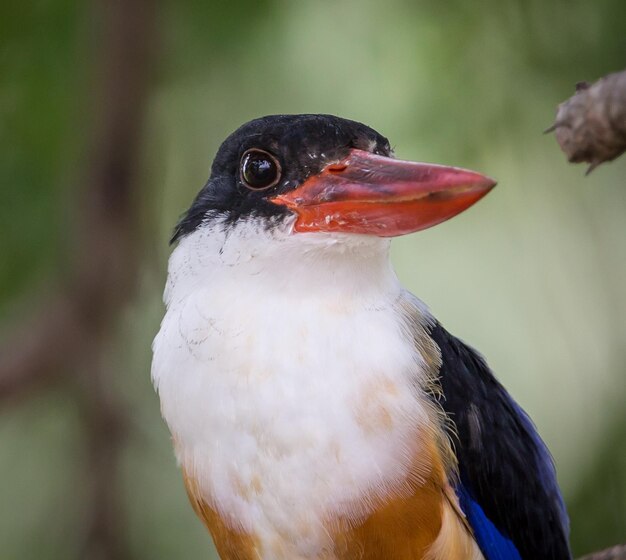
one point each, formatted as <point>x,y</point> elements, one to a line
<point>230,544</point>
<point>424,523</point>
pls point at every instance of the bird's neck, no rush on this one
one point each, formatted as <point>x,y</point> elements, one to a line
<point>249,258</point>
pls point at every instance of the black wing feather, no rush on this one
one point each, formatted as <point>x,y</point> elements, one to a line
<point>503,463</point>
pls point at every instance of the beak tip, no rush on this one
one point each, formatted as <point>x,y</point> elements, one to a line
<point>487,183</point>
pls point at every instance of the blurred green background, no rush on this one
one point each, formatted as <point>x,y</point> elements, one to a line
<point>534,276</point>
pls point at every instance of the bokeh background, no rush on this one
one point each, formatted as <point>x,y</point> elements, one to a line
<point>534,276</point>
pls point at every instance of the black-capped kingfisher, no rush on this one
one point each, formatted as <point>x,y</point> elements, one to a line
<point>318,410</point>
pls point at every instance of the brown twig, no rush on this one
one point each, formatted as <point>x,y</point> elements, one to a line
<point>106,263</point>
<point>39,350</point>
<point>106,428</point>
<point>591,125</point>
<point>614,553</point>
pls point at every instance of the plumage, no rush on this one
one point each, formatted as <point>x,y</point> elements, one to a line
<point>318,410</point>
<point>505,468</point>
<point>494,545</point>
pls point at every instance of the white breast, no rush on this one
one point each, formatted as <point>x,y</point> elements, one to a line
<point>288,378</point>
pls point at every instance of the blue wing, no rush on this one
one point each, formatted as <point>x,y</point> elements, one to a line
<point>493,544</point>
<point>507,483</point>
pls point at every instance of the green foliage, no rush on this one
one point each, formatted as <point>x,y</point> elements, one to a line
<point>42,65</point>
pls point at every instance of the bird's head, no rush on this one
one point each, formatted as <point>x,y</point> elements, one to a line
<point>320,173</point>
<point>310,200</point>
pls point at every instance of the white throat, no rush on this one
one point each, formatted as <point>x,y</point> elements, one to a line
<point>249,256</point>
<point>289,377</point>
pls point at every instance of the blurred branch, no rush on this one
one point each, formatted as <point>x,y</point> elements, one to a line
<point>591,125</point>
<point>39,350</point>
<point>615,553</point>
<point>67,336</point>
<point>106,428</point>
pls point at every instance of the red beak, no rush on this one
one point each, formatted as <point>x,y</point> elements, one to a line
<point>376,195</point>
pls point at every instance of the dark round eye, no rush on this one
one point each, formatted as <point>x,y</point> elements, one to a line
<point>259,169</point>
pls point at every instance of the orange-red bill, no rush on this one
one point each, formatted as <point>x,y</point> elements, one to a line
<point>376,195</point>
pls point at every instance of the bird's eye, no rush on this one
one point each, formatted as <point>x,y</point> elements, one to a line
<point>259,170</point>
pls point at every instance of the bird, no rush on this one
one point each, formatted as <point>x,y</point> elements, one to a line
<point>318,410</point>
